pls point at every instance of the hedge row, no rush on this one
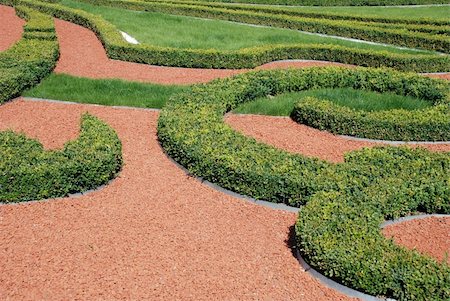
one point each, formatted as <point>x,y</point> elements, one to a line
<point>32,58</point>
<point>430,124</point>
<point>28,172</point>
<point>338,232</point>
<point>338,2</point>
<point>345,28</point>
<point>117,48</point>
<point>192,131</point>
<point>312,14</point>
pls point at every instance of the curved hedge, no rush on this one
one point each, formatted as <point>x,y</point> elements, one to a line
<point>430,124</point>
<point>337,2</point>
<point>338,232</point>
<point>32,58</point>
<point>192,131</point>
<point>28,172</point>
<point>117,48</point>
<point>325,14</point>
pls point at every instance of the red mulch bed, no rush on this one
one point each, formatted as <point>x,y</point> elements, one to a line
<point>284,133</point>
<point>11,27</point>
<point>430,236</point>
<point>152,234</point>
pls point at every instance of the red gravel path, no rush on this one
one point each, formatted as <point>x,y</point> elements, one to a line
<point>11,27</point>
<point>152,234</point>
<point>284,133</point>
<point>429,236</point>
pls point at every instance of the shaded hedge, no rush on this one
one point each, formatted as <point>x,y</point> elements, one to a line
<point>430,124</point>
<point>192,132</point>
<point>28,172</point>
<point>32,58</point>
<point>117,48</point>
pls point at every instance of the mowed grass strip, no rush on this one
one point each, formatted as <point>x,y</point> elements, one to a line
<point>108,92</point>
<point>183,32</point>
<point>282,105</point>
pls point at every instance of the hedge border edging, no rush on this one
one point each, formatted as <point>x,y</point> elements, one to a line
<point>117,48</point>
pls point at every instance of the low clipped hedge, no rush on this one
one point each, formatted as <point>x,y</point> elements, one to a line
<point>338,2</point>
<point>430,124</point>
<point>117,48</point>
<point>338,232</point>
<point>32,58</point>
<point>28,172</point>
<point>326,14</point>
<point>192,132</point>
<point>346,28</point>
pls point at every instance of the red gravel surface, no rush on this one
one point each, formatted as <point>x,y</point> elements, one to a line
<point>82,54</point>
<point>151,234</point>
<point>11,27</point>
<point>284,133</point>
<point>429,236</point>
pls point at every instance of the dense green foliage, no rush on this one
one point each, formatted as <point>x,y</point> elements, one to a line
<point>337,2</point>
<point>430,124</point>
<point>283,105</point>
<point>117,48</point>
<point>110,92</point>
<point>338,232</point>
<point>192,131</point>
<point>32,58</point>
<point>28,172</point>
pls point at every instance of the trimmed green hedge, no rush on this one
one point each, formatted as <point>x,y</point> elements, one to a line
<point>430,124</point>
<point>312,14</point>
<point>28,172</point>
<point>117,48</point>
<point>338,232</point>
<point>337,2</point>
<point>192,132</point>
<point>346,28</point>
<point>32,58</point>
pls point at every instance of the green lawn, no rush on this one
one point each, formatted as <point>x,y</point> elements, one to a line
<point>104,92</point>
<point>188,32</point>
<point>282,105</point>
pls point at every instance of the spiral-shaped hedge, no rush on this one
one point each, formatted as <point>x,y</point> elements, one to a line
<point>192,131</point>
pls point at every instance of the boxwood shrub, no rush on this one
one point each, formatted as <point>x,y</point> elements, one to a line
<point>338,2</point>
<point>32,58</point>
<point>338,232</point>
<point>430,124</point>
<point>28,172</point>
<point>388,181</point>
<point>117,48</point>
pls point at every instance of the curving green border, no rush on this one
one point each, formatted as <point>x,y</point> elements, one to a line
<point>32,58</point>
<point>117,48</point>
<point>192,132</point>
<point>338,232</point>
<point>28,172</point>
<point>430,124</point>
